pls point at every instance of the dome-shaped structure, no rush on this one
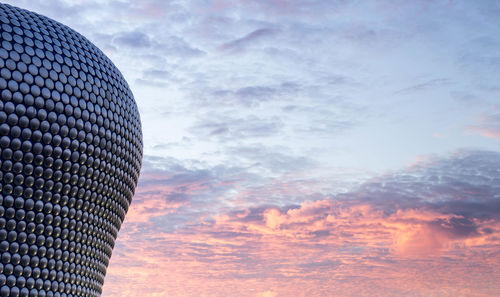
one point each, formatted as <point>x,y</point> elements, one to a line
<point>70,155</point>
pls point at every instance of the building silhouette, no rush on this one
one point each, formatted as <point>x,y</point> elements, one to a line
<point>70,155</point>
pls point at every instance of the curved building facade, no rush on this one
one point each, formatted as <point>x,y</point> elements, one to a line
<point>70,155</point>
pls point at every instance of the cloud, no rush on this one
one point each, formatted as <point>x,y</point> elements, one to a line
<point>60,8</point>
<point>438,217</point>
<point>167,46</point>
<point>277,159</point>
<point>170,190</point>
<point>433,83</point>
<point>240,43</point>
<point>132,39</point>
<point>177,46</point>
<point>237,128</point>
<point>302,9</point>
<point>489,126</point>
<point>268,294</point>
<point>157,74</point>
<point>249,95</point>
<point>157,78</point>
<point>149,9</point>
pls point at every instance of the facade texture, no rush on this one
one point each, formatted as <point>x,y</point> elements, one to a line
<point>70,155</point>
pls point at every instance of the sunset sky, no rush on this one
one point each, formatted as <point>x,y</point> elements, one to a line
<point>306,148</point>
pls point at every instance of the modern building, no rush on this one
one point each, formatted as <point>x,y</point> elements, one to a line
<point>70,155</point>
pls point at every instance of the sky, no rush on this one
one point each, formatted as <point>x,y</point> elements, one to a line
<point>306,148</point>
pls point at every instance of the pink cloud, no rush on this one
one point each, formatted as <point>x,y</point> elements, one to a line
<point>489,126</point>
<point>289,250</point>
<point>395,236</point>
<point>489,132</point>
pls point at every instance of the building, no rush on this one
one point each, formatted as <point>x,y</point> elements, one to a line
<point>70,155</point>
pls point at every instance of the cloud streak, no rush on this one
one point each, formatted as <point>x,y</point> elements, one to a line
<point>240,43</point>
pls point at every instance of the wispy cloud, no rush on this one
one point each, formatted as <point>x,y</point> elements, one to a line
<point>233,128</point>
<point>425,85</point>
<point>240,43</point>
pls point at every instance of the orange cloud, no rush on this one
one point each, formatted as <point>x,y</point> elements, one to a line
<point>319,239</point>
